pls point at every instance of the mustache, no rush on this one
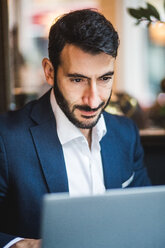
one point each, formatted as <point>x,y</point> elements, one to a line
<point>87,108</point>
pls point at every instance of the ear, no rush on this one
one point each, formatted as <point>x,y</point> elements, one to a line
<point>48,70</point>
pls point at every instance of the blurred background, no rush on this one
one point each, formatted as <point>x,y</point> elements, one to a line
<point>140,65</point>
<point>139,87</point>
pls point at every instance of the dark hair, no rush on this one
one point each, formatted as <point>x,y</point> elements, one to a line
<point>87,29</point>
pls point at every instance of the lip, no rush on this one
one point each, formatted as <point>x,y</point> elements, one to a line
<point>88,113</point>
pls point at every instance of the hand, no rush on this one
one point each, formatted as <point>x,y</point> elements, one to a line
<point>28,243</point>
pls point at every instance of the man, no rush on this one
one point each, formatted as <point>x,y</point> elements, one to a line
<point>64,141</point>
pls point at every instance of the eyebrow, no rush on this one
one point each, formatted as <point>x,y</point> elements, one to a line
<point>77,75</point>
<point>110,73</point>
<point>74,75</point>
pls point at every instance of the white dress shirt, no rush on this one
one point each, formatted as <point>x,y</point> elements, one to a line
<point>83,166</point>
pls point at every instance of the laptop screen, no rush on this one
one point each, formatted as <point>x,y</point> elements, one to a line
<point>119,218</point>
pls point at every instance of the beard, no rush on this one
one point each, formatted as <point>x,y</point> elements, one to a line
<point>64,105</point>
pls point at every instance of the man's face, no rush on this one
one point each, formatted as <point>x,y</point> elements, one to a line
<point>83,85</point>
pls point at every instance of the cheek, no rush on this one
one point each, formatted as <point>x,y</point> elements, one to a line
<point>75,93</point>
<point>72,95</point>
<point>62,85</point>
<point>105,94</point>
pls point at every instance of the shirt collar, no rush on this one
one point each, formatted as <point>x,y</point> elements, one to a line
<point>64,124</point>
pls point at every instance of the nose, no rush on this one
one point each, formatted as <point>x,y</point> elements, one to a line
<point>91,95</point>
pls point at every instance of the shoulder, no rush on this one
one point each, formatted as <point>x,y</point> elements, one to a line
<point>120,127</point>
<point>13,119</point>
<point>23,118</point>
<point>116,121</point>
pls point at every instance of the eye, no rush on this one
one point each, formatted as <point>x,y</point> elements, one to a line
<point>105,79</point>
<point>76,80</point>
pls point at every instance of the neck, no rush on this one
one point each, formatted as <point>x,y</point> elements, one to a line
<point>88,135</point>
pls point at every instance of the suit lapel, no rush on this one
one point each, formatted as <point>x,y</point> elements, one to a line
<point>50,152</point>
<point>110,159</point>
<point>48,146</point>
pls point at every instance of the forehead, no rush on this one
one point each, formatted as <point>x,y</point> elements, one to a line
<point>74,60</point>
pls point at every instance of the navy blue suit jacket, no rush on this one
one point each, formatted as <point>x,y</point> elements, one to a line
<point>32,164</point>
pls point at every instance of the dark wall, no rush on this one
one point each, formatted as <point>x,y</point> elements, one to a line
<point>4,58</point>
<point>154,150</point>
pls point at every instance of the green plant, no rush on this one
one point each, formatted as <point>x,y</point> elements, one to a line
<point>147,14</point>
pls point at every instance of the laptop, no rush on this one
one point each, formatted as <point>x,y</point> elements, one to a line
<point>120,218</point>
